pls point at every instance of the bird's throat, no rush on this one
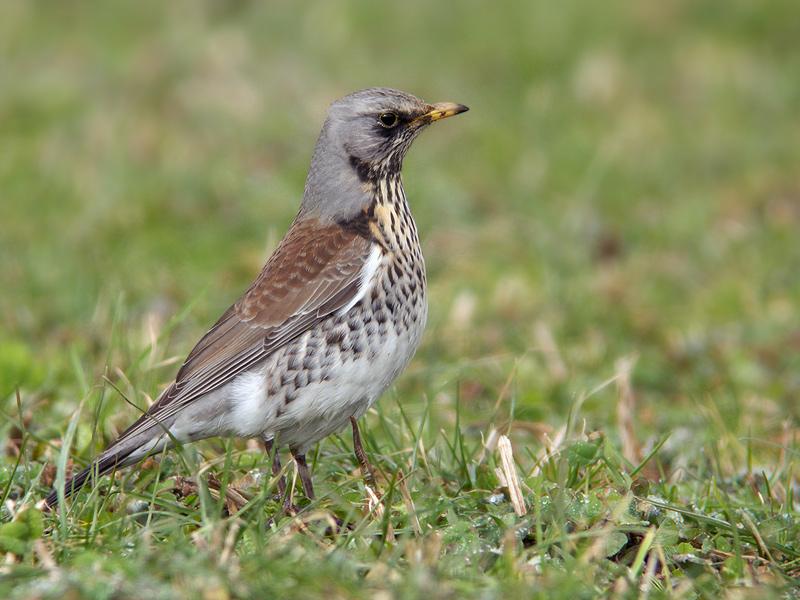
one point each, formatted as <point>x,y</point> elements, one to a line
<point>389,215</point>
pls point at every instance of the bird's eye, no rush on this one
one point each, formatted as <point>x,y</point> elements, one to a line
<point>388,120</point>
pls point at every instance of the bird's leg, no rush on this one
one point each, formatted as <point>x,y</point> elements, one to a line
<point>276,467</point>
<point>366,468</point>
<point>305,475</point>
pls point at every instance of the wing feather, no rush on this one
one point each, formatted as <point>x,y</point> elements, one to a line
<point>315,271</point>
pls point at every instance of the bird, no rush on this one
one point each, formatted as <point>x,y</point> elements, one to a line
<point>335,315</point>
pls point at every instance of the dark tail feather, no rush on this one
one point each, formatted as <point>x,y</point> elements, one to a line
<point>100,467</point>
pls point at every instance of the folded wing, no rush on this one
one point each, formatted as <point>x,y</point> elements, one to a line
<point>315,271</point>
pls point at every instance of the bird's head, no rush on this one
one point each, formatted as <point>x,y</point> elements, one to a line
<point>365,137</point>
<point>375,127</point>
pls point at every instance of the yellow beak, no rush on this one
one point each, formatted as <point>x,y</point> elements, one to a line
<point>442,110</point>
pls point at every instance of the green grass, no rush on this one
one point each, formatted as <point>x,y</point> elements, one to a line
<point>611,238</point>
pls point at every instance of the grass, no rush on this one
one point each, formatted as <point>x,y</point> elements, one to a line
<point>611,237</point>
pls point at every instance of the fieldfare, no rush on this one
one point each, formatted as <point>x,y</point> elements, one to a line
<point>334,317</point>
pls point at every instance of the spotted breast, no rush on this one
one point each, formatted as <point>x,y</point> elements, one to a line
<point>312,387</point>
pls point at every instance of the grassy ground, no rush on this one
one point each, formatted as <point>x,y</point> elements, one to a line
<point>611,236</point>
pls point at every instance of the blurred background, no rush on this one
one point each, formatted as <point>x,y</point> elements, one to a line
<point>623,194</point>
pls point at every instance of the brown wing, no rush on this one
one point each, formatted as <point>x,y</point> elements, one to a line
<point>315,271</point>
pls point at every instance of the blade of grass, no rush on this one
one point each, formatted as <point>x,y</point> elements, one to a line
<point>61,467</point>
<point>649,456</point>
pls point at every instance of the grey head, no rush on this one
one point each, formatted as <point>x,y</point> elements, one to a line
<point>364,139</point>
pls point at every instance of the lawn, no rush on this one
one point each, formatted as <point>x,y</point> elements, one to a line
<point>611,236</point>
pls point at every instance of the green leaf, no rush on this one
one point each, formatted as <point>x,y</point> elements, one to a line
<point>15,537</point>
<point>615,541</point>
<point>733,568</point>
<point>582,454</point>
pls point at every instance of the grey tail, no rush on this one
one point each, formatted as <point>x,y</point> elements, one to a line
<point>98,468</point>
